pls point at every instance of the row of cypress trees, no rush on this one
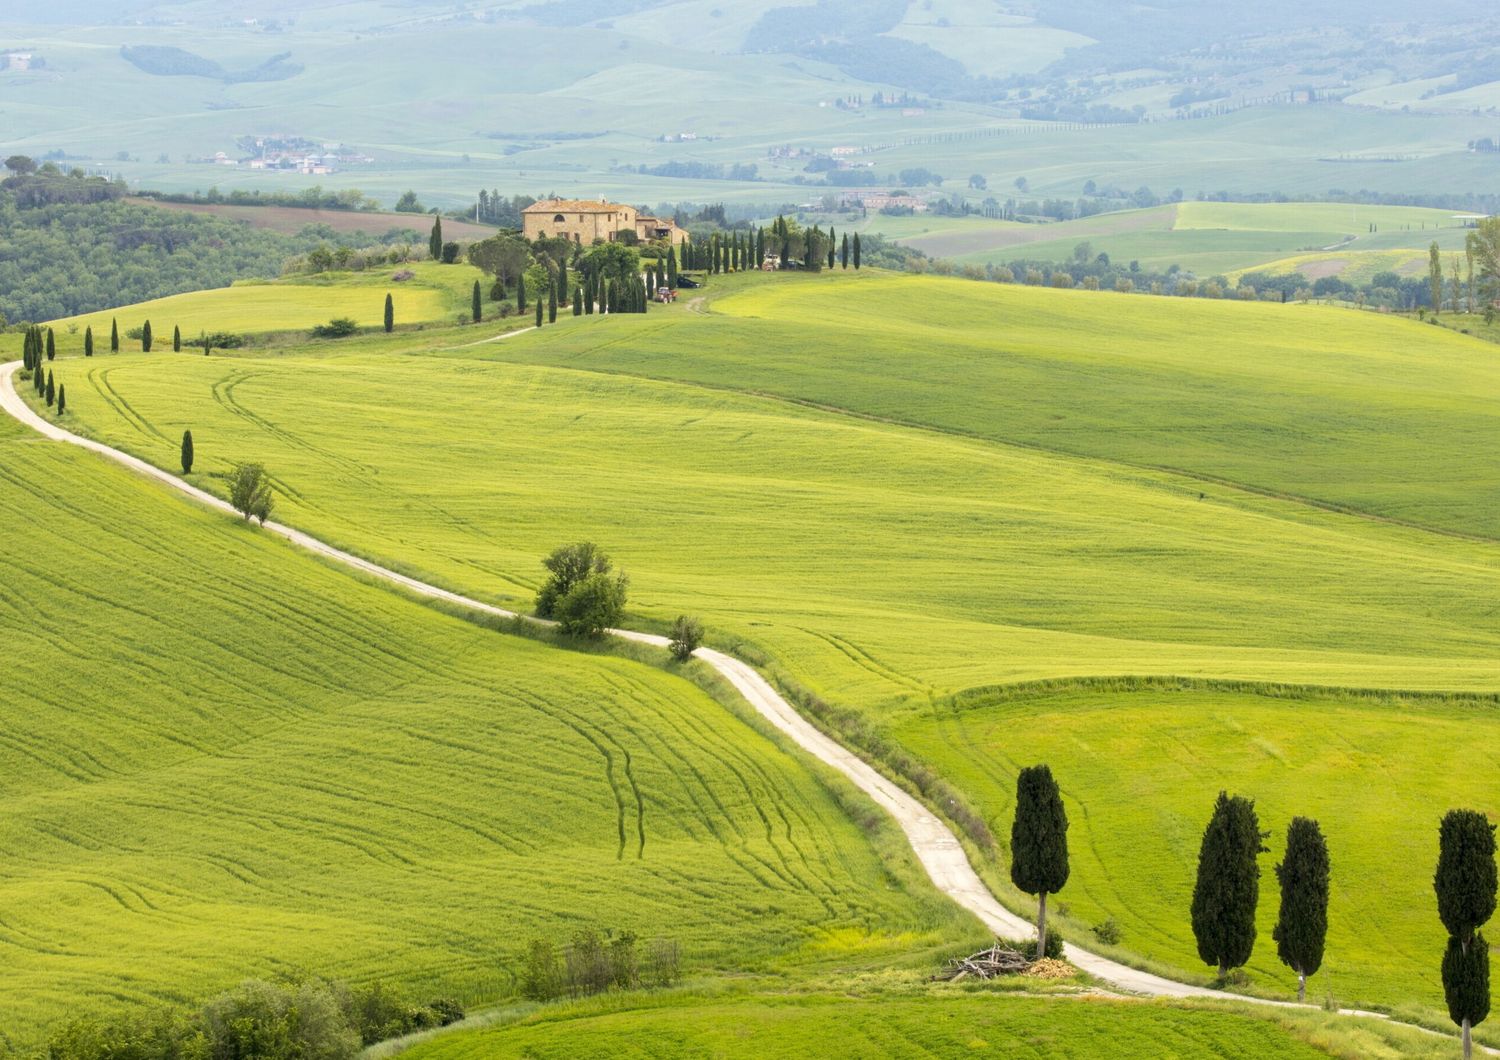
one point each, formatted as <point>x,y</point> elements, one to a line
<point>1228,888</point>
<point>745,251</point>
<point>34,352</point>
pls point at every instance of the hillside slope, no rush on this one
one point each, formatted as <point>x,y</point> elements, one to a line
<point>224,759</point>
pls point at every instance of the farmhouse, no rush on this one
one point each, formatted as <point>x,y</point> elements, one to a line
<point>587,221</point>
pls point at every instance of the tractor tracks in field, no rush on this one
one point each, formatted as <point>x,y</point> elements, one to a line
<point>935,845</point>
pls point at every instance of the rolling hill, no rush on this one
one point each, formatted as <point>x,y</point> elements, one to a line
<point>223,759</point>
<point>909,513</point>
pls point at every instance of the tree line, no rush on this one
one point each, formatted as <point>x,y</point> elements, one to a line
<point>1227,889</point>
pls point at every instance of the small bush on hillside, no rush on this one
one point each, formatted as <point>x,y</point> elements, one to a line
<point>340,328</point>
<point>1027,949</point>
<point>594,962</point>
<point>687,634</point>
<point>404,275</point>
<point>1108,932</point>
<point>312,1019</point>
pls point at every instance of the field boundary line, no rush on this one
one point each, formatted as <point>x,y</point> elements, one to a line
<point>936,846</point>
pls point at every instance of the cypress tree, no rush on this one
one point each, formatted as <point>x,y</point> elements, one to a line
<point>578,301</point>
<point>589,296</point>
<point>551,305</point>
<point>390,314</point>
<point>844,251</point>
<point>26,349</point>
<point>521,293</point>
<point>51,391</point>
<point>539,310</point>
<point>672,268</point>
<point>435,240</point>
<point>62,398</point>
<point>1303,922</point>
<point>51,345</point>
<point>146,337</point>
<point>563,286</point>
<point>833,244</point>
<point>187,452</point>
<point>1465,884</point>
<point>476,304</point>
<point>856,251</point>
<point>1039,842</point>
<point>88,342</point>
<point>114,336</point>
<point>1466,985</point>
<point>176,339</point>
<point>1228,886</point>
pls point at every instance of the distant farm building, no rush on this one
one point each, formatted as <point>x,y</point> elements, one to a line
<point>18,60</point>
<point>586,221</point>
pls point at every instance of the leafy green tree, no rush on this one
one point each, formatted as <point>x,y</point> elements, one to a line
<point>1465,882</point>
<point>567,566</point>
<point>1228,886</point>
<point>1435,278</point>
<point>114,336</point>
<point>591,607</point>
<point>504,257</point>
<point>146,337</point>
<point>435,239</point>
<point>476,303</point>
<point>1302,924</point>
<point>687,635</point>
<point>1039,842</point>
<point>187,452</point>
<point>390,314</point>
<point>176,339</point>
<point>250,492</point>
<point>1484,249</point>
<point>408,203</point>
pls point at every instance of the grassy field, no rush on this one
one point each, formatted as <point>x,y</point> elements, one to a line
<point>437,293</point>
<point>997,485</point>
<point>1140,769</point>
<point>945,1024</point>
<point>222,759</point>
<point>1206,238</point>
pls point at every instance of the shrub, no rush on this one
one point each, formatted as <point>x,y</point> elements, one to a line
<point>687,634</point>
<point>340,328</point>
<point>404,275</point>
<point>260,1019</point>
<point>593,605</point>
<point>1108,932</point>
<point>450,253</point>
<point>1054,946</point>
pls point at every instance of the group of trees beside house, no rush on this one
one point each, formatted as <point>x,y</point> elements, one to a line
<point>1227,890</point>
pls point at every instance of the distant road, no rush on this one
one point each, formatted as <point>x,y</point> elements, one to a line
<point>935,845</point>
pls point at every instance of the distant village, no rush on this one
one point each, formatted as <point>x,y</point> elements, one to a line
<point>289,154</point>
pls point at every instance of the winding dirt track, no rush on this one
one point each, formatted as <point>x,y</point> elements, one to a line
<point>935,845</point>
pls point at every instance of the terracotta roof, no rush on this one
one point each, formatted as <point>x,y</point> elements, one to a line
<point>575,206</point>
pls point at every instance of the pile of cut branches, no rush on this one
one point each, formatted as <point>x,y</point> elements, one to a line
<point>992,963</point>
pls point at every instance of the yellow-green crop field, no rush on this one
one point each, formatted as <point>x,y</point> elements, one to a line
<point>950,1025</point>
<point>909,494</point>
<point>435,293</point>
<point>220,759</point>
